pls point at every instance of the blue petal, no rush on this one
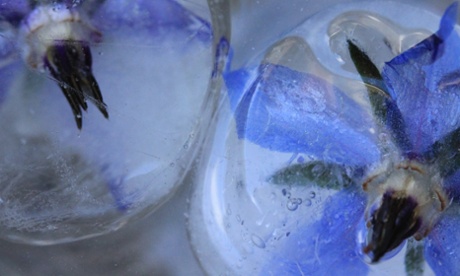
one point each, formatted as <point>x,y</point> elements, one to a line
<point>238,82</point>
<point>443,244</point>
<point>7,75</point>
<point>451,186</point>
<point>14,11</point>
<point>416,80</point>
<point>448,21</point>
<point>328,246</point>
<point>158,16</point>
<point>289,111</point>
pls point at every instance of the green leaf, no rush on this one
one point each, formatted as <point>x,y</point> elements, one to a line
<point>414,260</point>
<point>315,173</point>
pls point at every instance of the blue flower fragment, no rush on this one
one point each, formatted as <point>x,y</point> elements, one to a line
<point>442,246</point>
<point>159,16</point>
<point>13,11</point>
<point>288,111</point>
<point>425,79</point>
<point>327,247</point>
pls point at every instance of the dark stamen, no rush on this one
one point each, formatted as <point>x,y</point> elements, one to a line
<point>393,222</point>
<point>69,62</point>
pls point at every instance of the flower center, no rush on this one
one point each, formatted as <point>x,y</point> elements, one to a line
<point>404,201</point>
<point>56,40</point>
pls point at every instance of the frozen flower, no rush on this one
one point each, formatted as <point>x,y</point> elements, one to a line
<point>56,37</point>
<point>393,189</point>
<point>132,75</point>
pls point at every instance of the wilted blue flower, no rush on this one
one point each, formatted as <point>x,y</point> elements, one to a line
<point>408,184</point>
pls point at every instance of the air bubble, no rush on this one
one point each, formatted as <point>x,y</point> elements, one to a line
<point>300,160</point>
<point>383,137</point>
<point>257,241</point>
<point>318,169</point>
<point>293,204</point>
<point>229,210</point>
<point>238,218</point>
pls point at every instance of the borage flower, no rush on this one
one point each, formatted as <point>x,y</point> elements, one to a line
<point>132,60</point>
<point>392,190</point>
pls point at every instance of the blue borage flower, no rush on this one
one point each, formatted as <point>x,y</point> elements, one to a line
<point>54,39</point>
<point>411,192</point>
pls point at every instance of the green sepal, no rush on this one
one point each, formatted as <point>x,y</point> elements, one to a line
<point>314,173</point>
<point>385,110</point>
<point>446,154</point>
<point>414,260</point>
<point>373,80</point>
